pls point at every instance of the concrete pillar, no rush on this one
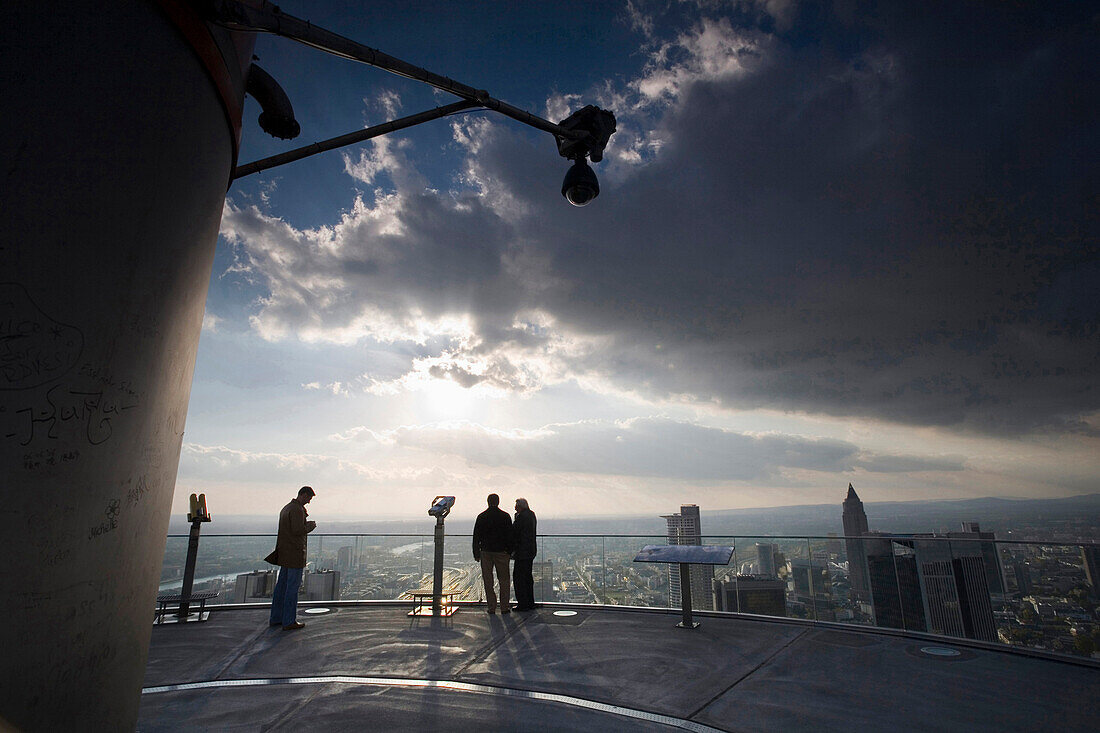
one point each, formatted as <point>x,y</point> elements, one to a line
<point>118,128</point>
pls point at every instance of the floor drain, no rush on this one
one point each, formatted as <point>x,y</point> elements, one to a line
<point>940,651</point>
<point>565,613</point>
<point>316,611</point>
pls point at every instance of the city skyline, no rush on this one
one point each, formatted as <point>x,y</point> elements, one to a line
<point>958,583</point>
<point>828,249</point>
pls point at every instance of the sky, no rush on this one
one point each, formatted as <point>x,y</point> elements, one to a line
<point>835,242</point>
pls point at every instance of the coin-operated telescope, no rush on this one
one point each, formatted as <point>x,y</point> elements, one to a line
<point>198,511</point>
<point>197,514</point>
<point>440,508</point>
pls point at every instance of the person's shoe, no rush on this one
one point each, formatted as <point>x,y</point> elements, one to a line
<point>276,623</point>
<point>505,610</point>
<point>491,611</point>
<point>525,608</point>
<point>294,626</point>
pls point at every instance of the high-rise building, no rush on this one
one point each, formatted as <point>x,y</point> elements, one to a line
<point>895,590</point>
<point>322,585</point>
<point>994,572</point>
<point>344,557</point>
<point>974,602</point>
<point>855,525</point>
<point>543,575</point>
<point>759,594</point>
<point>255,587</point>
<point>809,577</point>
<point>956,592</point>
<point>765,558</point>
<point>685,529</point>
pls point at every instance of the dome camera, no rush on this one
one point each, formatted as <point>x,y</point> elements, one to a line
<point>580,185</point>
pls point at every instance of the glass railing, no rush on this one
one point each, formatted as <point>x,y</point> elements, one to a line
<point>1036,594</point>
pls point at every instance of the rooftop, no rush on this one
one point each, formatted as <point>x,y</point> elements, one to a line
<point>600,669</point>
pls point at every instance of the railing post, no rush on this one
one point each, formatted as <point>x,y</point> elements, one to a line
<point>810,576</point>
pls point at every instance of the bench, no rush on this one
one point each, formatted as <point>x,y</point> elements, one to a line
<point>201,597</point>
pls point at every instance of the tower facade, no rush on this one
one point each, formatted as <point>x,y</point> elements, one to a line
<point>542,573</point>
<point>994,570</point>
<point>894,586</point>
<point>685,529</point>
<point>765,558</point>
<point>855,525</point>
<point>956,589</point>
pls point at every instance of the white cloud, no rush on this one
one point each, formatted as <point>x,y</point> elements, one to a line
<point>713,50</point>
<point>848,228</point>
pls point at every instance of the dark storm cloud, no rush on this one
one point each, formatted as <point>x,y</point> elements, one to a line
<point>889,211</point>
<point>658,447</point>
<point>894,216</point>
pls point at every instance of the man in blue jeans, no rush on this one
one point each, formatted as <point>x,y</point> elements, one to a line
<point>290,556</point>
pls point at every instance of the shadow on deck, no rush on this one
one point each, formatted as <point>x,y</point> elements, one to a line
<point>372,667</point>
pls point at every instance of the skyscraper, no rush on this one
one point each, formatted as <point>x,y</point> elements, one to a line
<point>994,572</point>
<point>254,587</point>
<point>765,558</point>
<point>321,585</point>
<point>684,529</point>
<point>344,557</point>
<point>956,592</point>
<point>542,573</point>
<point>855,525</point>
<point>895,589</point>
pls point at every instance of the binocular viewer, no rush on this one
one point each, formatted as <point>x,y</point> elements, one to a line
<point>441,506</point>
<point>198,511</point>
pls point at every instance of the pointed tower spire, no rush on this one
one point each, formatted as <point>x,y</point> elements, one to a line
<point>855,525</point>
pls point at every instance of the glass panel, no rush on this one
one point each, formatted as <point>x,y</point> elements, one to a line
<point>1029,594</point>
<point>629,583</point>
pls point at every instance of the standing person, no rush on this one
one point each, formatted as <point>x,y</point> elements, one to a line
<point>290,556</point>
<point>492,545</point>
<point>524,549</point>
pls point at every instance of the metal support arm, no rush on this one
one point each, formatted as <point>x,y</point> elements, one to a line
<point>352,137</point>
<point>268,18</point>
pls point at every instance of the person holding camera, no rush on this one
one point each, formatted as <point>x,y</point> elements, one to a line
<point>290,556</point>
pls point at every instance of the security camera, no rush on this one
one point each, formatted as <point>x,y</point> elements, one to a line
<point>592,127</point>
<point>580,185</point>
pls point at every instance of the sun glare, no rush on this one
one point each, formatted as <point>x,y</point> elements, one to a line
<point>444,399</point>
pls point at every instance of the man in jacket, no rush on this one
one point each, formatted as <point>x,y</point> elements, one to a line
<point>492,546</point>
<point>290,556</point>
<point>524,549</point>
